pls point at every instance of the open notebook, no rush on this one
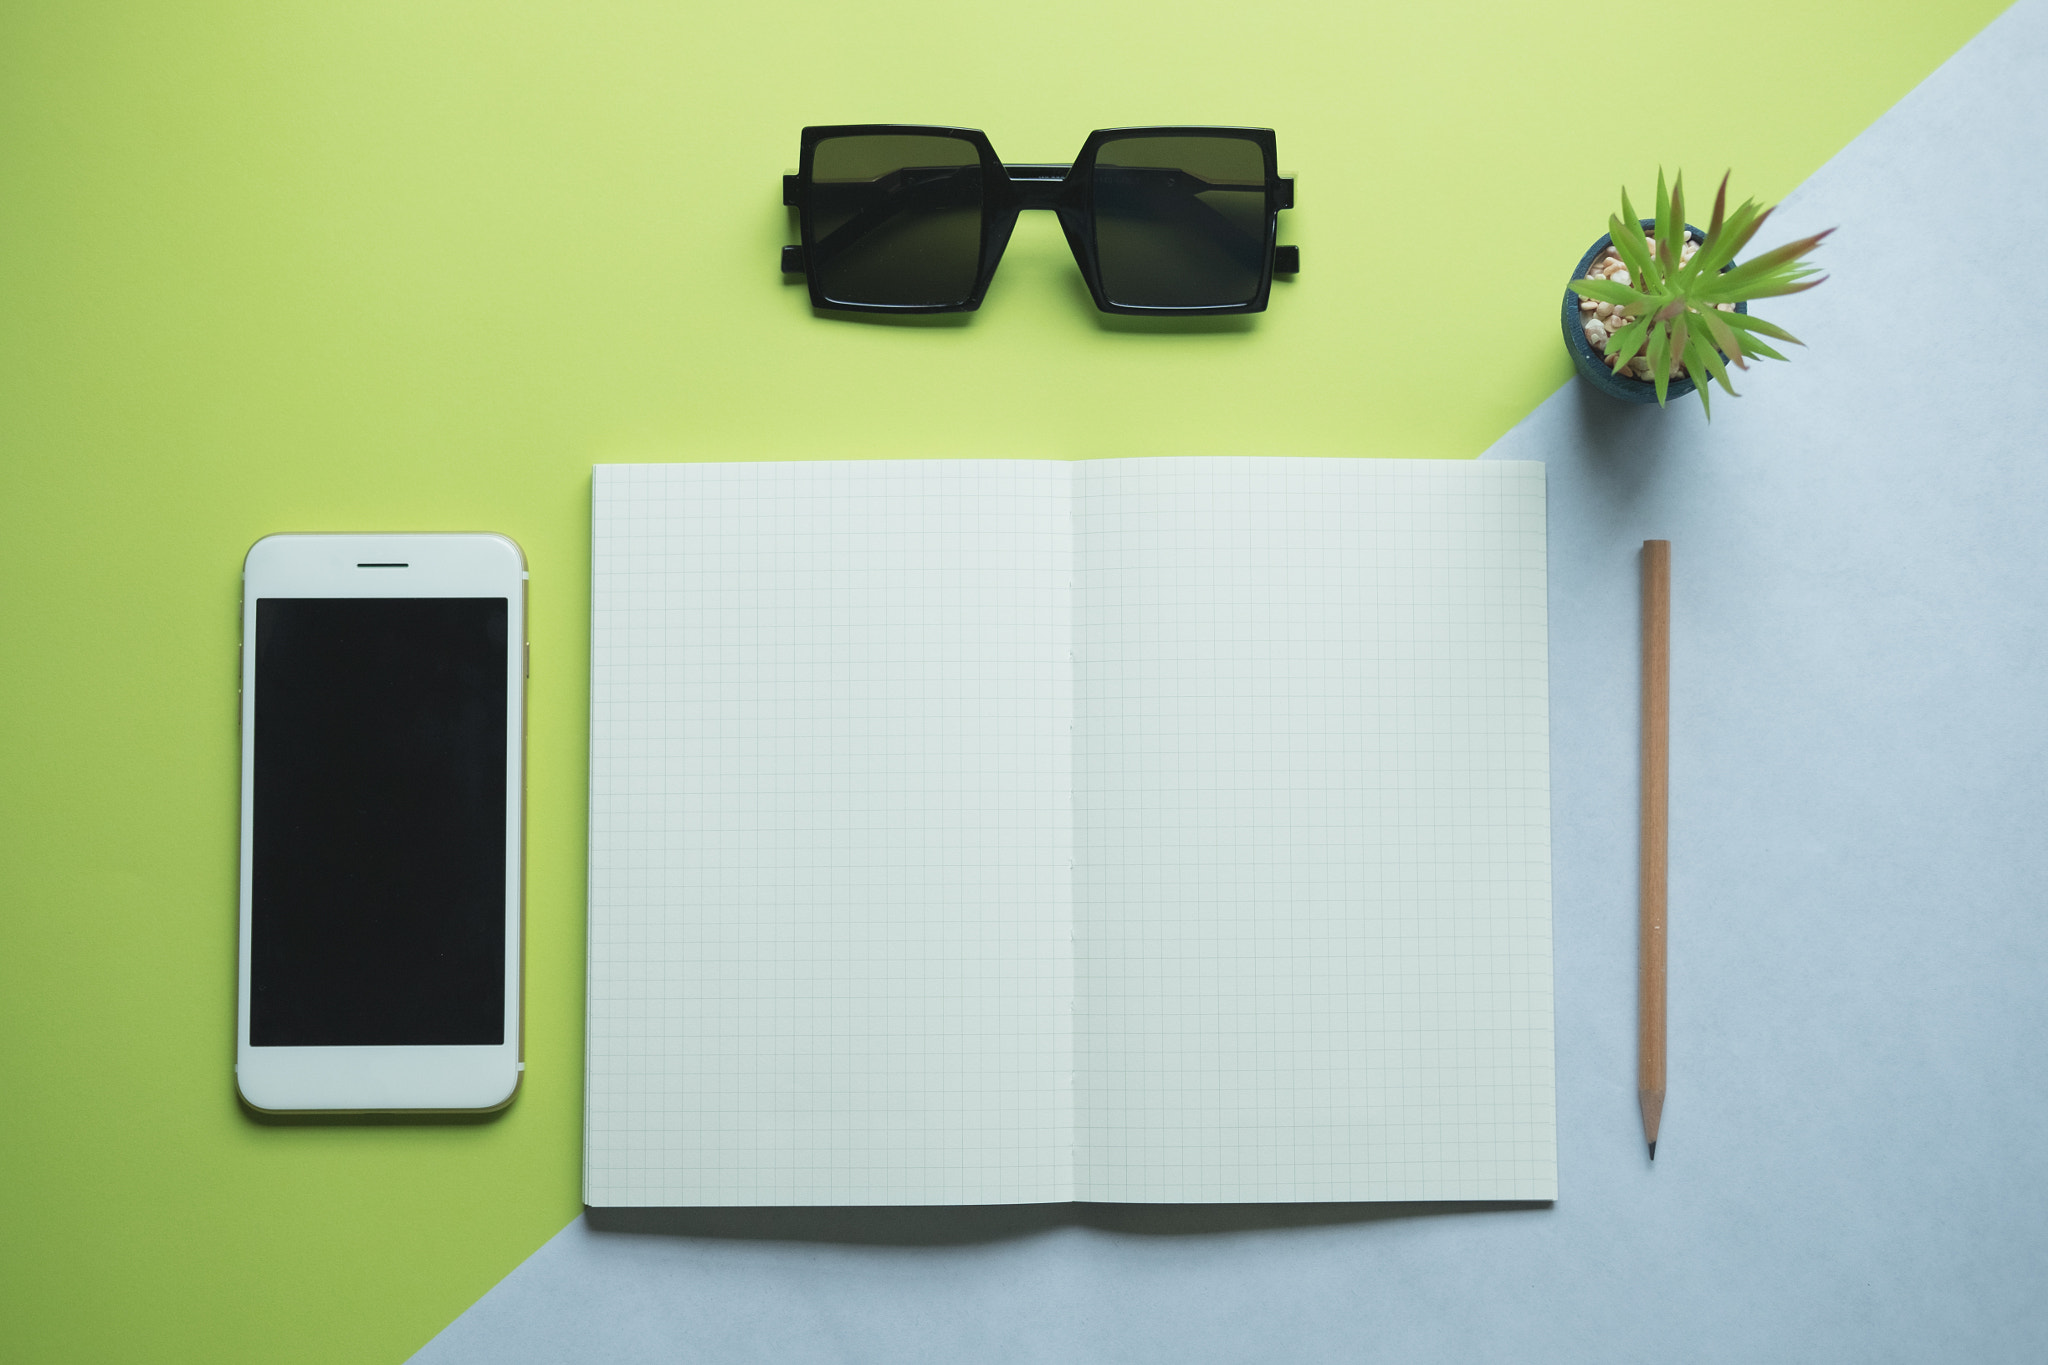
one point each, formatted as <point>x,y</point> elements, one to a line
<point>993,831</point>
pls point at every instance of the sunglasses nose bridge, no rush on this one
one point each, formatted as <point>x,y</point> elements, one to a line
<point>1037,185</point>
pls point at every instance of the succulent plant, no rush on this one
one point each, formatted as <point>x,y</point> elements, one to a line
<point>1672,304</point>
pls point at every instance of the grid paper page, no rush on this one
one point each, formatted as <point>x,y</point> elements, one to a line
<point>830,834</point>
<point>1312,899</point>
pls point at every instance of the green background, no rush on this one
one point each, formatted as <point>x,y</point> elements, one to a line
<point>413,266</point>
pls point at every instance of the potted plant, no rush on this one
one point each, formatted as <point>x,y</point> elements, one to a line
<point>1658,307</point>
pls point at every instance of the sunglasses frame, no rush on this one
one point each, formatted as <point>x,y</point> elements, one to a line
<point>1067,190</point>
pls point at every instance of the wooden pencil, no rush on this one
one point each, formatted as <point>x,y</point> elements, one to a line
<point>1656,792</point>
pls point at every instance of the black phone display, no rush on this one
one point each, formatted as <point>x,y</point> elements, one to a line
<point>378,896</point>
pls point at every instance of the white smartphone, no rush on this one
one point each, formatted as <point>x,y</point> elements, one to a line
<point>383,725</point>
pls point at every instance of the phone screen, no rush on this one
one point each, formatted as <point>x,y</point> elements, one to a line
<point>378,896</point>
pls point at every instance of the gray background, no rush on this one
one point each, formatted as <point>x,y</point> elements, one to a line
<point>1852,1165</point>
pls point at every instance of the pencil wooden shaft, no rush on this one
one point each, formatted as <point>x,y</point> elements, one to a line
<point>1656,789</point>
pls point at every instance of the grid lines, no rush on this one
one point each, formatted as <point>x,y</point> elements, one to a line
<point>997,831</point>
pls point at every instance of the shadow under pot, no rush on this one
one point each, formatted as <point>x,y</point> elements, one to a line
<point>1591,363</point>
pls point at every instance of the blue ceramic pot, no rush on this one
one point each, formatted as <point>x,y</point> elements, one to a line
<point>1592,366</point>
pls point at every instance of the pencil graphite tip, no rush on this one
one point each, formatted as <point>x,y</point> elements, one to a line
<point>1653,1151</point>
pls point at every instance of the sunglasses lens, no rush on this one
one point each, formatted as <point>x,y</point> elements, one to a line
<point>895,219</point>
<point>1180,222</point>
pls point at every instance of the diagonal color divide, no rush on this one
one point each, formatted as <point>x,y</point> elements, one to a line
<point>1856,864</point>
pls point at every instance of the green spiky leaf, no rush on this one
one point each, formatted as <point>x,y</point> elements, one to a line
<point>1786,254</point>
<point>1607,291</point>
<point>1623,346</point>
<point>1627,239</point>
<point>1660,362</point>
<point>1636,250</point>
<point>1776,289</point>
<point>1750,322</point>
<point>1722,335</point>
<point>1705,365</point>
<point>1671,225</point>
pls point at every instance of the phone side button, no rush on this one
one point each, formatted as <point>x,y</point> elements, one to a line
<point>529,658</point>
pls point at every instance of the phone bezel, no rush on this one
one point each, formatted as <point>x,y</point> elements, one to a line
<point>389,1079</point>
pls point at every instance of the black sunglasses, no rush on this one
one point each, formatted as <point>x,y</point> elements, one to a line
<point>905,218</point>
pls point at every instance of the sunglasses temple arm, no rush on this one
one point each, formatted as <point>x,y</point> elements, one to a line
<point>895,187</point>
<point>1234,239</point>
<point>1202,220</point>
<point>1287,260</point>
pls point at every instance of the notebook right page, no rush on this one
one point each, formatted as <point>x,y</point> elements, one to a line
<point>1312,882</point>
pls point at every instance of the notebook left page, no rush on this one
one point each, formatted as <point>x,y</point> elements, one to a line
<point>830,825</point>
